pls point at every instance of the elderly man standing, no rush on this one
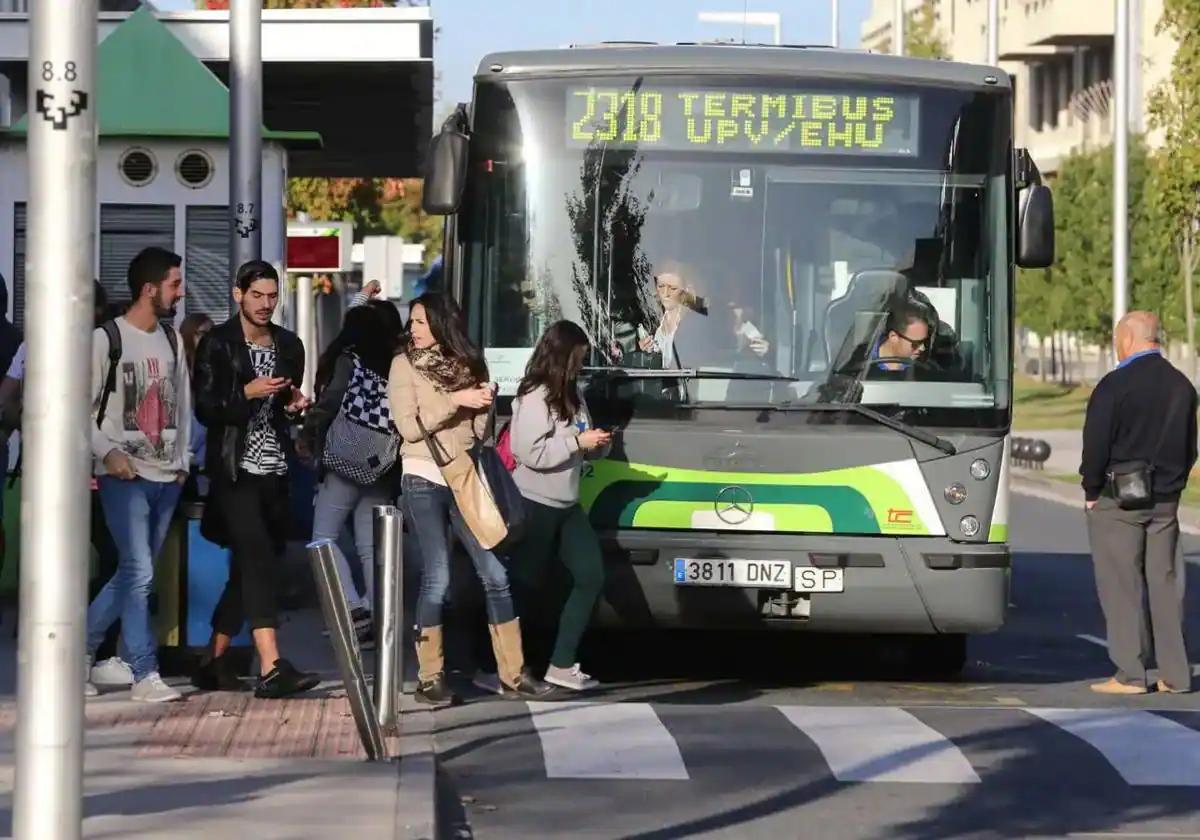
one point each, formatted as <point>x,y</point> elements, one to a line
<point>1140,430</point>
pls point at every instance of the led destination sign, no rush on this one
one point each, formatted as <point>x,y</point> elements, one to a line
<point>743,120</point>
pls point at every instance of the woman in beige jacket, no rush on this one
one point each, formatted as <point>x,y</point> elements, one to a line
<point>441,378</point>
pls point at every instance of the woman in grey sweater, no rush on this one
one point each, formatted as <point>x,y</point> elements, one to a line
<point>552,435</point>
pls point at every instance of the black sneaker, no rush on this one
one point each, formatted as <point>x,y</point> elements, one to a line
<point>366,639</point>
<point>527,687</point>
<point>217,675</point>
<point>283,681</point>
<point>436,692</point>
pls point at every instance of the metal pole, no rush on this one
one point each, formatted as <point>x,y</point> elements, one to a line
<point>345,646</point>
<point>245,132</point>
<point>898,29</point>
<point>388,619</point>
<point>835,29</point>
<point>993,36</point>
<point>48,796</point>
<point>306,328</point>
<point>1120,127</point>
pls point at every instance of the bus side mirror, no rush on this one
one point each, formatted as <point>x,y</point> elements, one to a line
<point>446,167</point>
<point>1035,227</point>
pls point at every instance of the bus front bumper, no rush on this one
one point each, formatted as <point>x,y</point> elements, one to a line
<point>889,585</point>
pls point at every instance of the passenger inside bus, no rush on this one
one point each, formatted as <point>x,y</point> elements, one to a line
<point>695,330</point>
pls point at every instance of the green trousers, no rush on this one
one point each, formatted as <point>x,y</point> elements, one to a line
<point>565,536</point>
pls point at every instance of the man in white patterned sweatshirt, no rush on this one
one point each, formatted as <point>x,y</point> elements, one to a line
<point>140,443</point>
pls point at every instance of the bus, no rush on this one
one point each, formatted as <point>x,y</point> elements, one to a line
<point>796,270</point>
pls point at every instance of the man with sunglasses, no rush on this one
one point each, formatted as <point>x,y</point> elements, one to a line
<point>906,336</point>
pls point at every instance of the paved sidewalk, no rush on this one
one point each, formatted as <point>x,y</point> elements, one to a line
<point>229,765</point>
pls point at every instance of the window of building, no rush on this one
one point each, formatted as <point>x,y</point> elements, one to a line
<point>207,272</point>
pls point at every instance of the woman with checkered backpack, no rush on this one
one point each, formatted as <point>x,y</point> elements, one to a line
<point>350,436</point>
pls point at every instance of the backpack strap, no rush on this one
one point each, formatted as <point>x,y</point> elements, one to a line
<point>114,358</point>
<point>172,339</point>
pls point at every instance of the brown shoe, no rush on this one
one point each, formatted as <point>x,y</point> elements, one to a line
<point>1166,689</point>
<point>1115,686</point>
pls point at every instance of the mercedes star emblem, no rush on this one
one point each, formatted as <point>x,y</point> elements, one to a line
<point>734,505</point>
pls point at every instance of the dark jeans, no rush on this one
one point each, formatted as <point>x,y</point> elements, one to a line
<point>255,509</point>
<point>431,513</point>
<point>565,535</point>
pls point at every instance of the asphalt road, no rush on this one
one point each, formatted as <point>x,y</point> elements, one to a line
<point>789,735</point>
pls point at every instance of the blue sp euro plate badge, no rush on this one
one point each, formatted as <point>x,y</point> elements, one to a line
<point>680,570</point>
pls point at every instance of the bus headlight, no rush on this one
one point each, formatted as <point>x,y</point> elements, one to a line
<point>969,526</point>
<point>956,494</point>
<point>980,469</point>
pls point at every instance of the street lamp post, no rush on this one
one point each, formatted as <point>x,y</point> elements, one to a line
<point>993,32</point>
<point>1120,127</point>
<point>48,790</point>
<point>836,39</point>
<point>898,29</point>
<point>245,132</point>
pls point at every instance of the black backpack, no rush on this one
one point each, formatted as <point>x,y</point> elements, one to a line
<point>114,358</point>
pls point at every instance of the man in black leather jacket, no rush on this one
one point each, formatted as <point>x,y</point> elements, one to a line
<point>245,378</point>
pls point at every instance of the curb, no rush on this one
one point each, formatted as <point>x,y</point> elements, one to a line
<point>416,792</point>
<point>1029,483</point>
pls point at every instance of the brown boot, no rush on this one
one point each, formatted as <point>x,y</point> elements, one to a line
<point>431,680</point>
<point>515,680</point>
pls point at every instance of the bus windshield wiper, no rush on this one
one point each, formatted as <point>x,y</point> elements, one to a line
<point>914,432</point>
<point>687,373</point>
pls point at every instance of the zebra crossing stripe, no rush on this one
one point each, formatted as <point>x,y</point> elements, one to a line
<point>880,744</point>
<point>583,740</point>
<point>1145,748</point>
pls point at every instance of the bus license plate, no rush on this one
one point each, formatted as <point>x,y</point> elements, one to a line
<point>759,574</point>
<point>810,579</point>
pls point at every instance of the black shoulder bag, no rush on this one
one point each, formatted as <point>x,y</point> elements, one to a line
<point>1132,482</point>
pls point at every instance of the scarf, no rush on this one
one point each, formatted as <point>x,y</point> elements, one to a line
<point>446,374</point>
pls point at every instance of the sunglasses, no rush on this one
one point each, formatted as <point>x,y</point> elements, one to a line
<point>917,343</point>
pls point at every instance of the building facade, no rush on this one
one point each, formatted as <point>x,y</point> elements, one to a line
<point>1060,56</point>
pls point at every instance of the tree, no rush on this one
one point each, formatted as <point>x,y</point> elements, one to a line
<point>1075,295</point>
<point>921,37</point>
<point>1175,109</point>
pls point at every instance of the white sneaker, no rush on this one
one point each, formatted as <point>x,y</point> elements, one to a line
<point>89,690</point>
<point>486,682</point>
<point>152,689</point>
<point>572,678</point>
<point>113,672</point>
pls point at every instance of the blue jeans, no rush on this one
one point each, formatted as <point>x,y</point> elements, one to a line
<point>138,514</point>
<point>337,500</point>
<point>431,514</point>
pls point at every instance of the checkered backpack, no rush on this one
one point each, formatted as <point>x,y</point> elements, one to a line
<point>361,444</point>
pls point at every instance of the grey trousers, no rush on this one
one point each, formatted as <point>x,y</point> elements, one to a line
<point>1135,557</point>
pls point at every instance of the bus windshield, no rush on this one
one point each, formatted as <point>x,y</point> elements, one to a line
<point>814,240</point>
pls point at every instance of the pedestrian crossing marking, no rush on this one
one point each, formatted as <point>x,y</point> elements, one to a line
<point>880,744</point>
<point>582,740</point>
<point>604,740</point>
<point>1145,748</point>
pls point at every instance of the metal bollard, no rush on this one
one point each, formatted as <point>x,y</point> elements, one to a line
<point>345,646</point>
<point>388,607</point>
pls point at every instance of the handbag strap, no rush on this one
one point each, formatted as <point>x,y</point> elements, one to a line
<point>440,457</point>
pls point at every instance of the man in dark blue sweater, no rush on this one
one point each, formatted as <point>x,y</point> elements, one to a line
<point>1145,410</point>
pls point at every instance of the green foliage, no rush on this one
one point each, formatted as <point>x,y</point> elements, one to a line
<point>1175,110</point>
<point>921,39</point>
<point>1076,293</point>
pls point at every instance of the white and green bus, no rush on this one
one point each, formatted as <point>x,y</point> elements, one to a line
<point>748,234</point>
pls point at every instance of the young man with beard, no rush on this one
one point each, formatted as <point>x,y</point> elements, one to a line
<point>141,404</point>
<point>246,372</point>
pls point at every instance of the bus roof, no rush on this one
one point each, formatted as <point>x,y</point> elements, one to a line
<point>636,57</point>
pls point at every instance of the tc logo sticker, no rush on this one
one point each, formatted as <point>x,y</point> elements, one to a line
<point>902,518</point>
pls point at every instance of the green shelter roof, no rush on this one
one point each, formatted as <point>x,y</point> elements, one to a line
<point>150,85</point>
